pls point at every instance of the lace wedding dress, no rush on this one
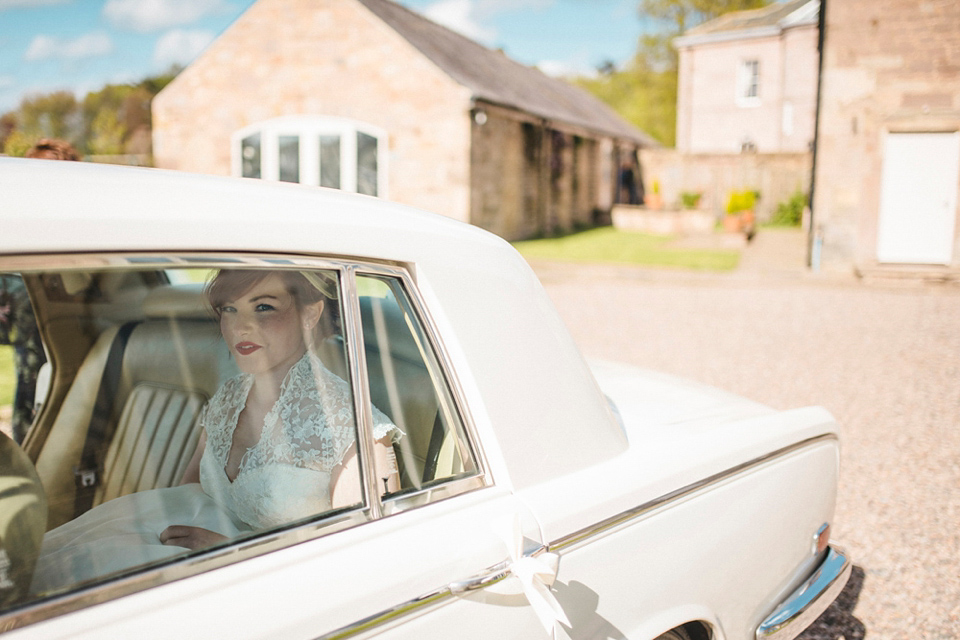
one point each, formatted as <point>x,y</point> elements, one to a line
<point>286,475</point>
<point>283,478</point>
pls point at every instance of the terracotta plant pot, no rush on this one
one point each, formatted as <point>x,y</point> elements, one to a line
<point>732,223</point>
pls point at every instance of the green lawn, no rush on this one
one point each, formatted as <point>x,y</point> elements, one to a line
<point>8,378</point>
<point>609,245</point>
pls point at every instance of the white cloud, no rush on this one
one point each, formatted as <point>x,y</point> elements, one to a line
<point>566,69</point>
<point>486,7</point>
<point>90,45</point>
<point>461,16</point>
<point>180,46</point>
<point>472,17</point>
<point>155,15</point>
<point>29,4</point>
<point>7,82</point>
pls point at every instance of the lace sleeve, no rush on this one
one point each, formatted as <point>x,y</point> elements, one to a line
<point>383,427</point>
<point>313,425</point>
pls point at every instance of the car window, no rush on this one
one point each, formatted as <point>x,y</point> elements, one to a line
<point>181,419</point>
<point>406,382</point>
<point>149,452</point>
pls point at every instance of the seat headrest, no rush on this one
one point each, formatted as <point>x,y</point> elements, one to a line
<point>177,301</point>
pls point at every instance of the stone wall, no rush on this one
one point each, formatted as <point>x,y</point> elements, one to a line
<point>715,176</point>
<point>331,58</point>
<point>530,177</point>
<point>889,66</point>
<point>712,118</point>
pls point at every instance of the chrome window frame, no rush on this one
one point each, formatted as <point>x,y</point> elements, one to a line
<point>446,488</point>
<point>373,506</point>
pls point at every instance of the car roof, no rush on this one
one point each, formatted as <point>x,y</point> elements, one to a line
<point>79,206</point>
<point>524,377</point>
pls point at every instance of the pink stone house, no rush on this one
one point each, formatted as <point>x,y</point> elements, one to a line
<point>887,175</point>
<point>748,81</point>
<point>368,96</point>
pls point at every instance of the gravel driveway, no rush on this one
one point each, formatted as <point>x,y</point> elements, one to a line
<point>884,359</point>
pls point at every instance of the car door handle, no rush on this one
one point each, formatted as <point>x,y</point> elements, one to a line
<point>547,571</point>
<point>537,571</point>
<point>487,577</point>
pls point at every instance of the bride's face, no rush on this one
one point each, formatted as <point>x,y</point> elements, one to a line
<point>264,329</point>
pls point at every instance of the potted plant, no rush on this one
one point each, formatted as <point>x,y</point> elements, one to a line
<point>690,199</point>
<point>653,199</point>
<point>740,215</point>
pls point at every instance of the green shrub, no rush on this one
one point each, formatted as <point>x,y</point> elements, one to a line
<point>789,213</point>
<point>690,199</point>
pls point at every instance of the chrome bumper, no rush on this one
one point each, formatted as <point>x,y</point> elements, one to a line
<point>812,598</point>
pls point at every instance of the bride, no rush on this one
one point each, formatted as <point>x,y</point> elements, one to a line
<point>278,441</point>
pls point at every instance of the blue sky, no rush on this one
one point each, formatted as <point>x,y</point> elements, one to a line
<point>80,45</point>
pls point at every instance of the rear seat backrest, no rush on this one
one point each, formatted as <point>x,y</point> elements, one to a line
<point>174,361</point>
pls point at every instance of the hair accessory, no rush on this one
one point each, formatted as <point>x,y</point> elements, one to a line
<point>324,283</point>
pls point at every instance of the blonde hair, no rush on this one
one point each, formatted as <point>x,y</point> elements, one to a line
<point>306,288</point>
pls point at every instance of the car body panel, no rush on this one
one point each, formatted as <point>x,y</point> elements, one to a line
<point>666,502</point>
<point>479,291</point>
<point>288,594</point>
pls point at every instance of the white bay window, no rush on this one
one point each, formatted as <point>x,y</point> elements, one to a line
<point>315,150</point>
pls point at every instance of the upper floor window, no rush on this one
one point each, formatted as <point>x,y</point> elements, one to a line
<point>315,150</point>
<point>748,82</point>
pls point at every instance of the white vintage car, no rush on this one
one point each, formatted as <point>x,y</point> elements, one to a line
<point>523,493</point>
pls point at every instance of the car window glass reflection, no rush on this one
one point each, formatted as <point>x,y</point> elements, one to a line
<point>208,414</point>
<point>406,382</point>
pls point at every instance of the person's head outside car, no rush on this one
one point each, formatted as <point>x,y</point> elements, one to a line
<point>53,149</point>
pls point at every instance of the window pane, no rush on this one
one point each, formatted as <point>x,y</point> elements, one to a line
<point>185,373</point>
<point>21,355</point>
<point>366,164</point>
<point>330,161</point>
<point>407,384</point>
<point>750,79</point>
<point>250,156</point>
<point>289,158</point>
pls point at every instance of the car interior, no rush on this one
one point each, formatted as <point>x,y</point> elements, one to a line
<point>133,355</point>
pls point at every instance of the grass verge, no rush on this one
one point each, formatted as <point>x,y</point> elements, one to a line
<point>8,377</point>
<point>610,245</point>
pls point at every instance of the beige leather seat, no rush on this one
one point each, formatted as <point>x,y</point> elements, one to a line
<point>23,518</point>
<point>174,361</point>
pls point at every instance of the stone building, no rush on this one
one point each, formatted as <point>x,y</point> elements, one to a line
<point>368,96</point>
<point>746,109</point>
<point>887,170</point>
<point>747,81</point>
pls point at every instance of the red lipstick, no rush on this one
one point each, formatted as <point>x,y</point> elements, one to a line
<point>246,348</point>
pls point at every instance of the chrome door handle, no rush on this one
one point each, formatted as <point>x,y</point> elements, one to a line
<point>496,573</point>
<point>485,578</point>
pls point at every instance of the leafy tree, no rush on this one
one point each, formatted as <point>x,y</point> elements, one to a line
<point>155,84</point>
<point>109,121</point>
<point>8,124</point>
<point>51,115</point>
<point>19,142</point>
<point>644,92</point>
<point>106,134</point>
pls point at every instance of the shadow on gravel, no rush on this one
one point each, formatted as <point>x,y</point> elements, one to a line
<point>838,620</point>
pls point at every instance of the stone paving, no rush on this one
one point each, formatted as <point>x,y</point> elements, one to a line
<point>883,358</point>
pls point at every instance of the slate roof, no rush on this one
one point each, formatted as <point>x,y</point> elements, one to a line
<point>495,78</point>
<point>770,16</point>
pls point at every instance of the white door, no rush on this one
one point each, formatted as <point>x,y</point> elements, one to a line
<point>918,198</point>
